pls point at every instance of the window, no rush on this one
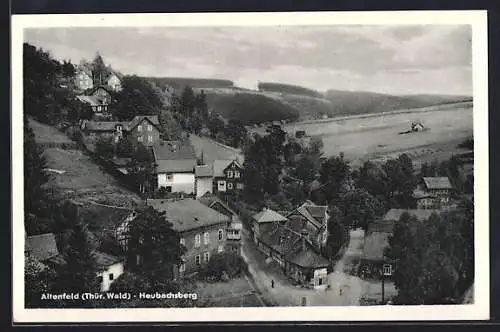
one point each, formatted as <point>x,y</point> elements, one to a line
<point>139,128</point>
<point>206,238</point>
<point>182,241</point>
<point>99,279</point>
<point>111,276</point>
<point>220,234</point>
<point>206,257</point>
<point>220,249</point>
<point>138,260</point>
<point>182,267</point>
<point>139,138</point>
<point>150,128</point>
<point>150,138</point>
<point>230,185</point>
<point>237,174</point>
<point>222,185</point>
<point>98,108</point>
<point>197,240</point>
<point>197,260</point>
<point>229,174</point>
<point>170,177</point>
<point>239,186</point>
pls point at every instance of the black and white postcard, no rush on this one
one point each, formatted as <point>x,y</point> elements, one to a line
<point>320,166</point>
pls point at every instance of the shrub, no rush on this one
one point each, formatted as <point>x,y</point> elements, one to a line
<point>224,265</point>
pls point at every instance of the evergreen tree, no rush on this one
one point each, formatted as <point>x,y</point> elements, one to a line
<point>360,208</point>
<point>37,281</point>
<point>333,174</point>
<point>99,70</point>
<point>78,274</point>
<point>152,239</point>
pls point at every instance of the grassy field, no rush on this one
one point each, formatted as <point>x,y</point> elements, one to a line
<point>45,134</point>
<point>376,137</point>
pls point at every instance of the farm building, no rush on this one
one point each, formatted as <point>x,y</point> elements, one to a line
<point>433,192</point>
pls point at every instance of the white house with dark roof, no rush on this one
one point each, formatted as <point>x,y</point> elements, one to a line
<point>175,166</point>
<point>204,183</point>
<point>83,78</point>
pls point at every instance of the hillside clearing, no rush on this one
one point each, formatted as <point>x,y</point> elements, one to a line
<point>213,150</point>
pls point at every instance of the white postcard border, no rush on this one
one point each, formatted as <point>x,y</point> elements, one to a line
<point>477,311</point>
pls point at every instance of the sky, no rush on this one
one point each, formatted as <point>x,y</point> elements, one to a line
<point>417,59</point>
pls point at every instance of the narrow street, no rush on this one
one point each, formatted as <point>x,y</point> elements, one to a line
<point>345,289</point>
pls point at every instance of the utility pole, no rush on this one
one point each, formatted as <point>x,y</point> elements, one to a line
<point>386,271</point>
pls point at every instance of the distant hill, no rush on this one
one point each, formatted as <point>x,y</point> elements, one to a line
<point>277,101</point>
<point>178,83</point>
<point>348,103</point>
<point>288,89</point>
<point>250,108</point>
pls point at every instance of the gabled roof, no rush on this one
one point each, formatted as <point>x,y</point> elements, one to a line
<point>187,214</point>
<point>90,100</point>
<point>293,246</point>
<point>204,171</point>
<point>104,260</point>
<point>174,158</point>
<point>43,246</point>
<point>83,69</point>
<point>437,182</point>
<point>268,215</point>
<point>220,165</point>
<point>153,119</point>
<point>212,200</point>
<point>97,87</point>
<point>315,214</point>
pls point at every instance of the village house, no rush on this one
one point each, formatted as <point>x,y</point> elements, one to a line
<point>377,239</point>
<point>202,231</point>
<point>433,193</point>
<point>175,166</point>
<point>83,79</point>
<point>204,175</point>
<point>113,82</point>
<point>233,231</point>
<point>44,248</point>
<point>227,176</point>
<point>98,99</point>
<point>311,219</point>
<point>142,128</point>
<point>292,250</point>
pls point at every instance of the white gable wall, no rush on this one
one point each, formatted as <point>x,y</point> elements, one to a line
<point>179,182</point>
<point>116,270</point>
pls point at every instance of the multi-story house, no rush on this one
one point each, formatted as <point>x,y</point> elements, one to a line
<point>234,228</point>
<point>202,231</point>
<point>175,166</point>
<point>114,82</point>
<point>311,220</point>
<point>291,250</point>
<point>83,79</point>
<point>98,99</point>
<point>227,176</point>
<point>145,129</point>
<point>433,193</point>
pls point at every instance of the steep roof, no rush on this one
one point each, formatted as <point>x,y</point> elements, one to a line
<point>187,214</point>
<point>291,245</point>
<point>174,158</point>
<point>104,260</point>
<point>203,171</point>
<point>212,200</point>
<point>312,212</point>
<point>153,119</point>
<point>437,182</point>
<point>90,100</point>
<point>268,215</point>
<point>220,165</point>
<point>43,246</point>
